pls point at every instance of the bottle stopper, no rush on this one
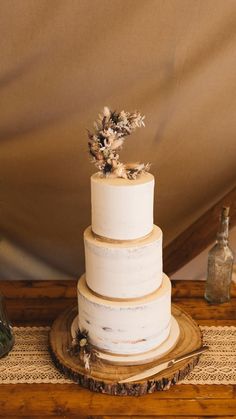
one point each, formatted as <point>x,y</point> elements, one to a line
<point>225,212</point>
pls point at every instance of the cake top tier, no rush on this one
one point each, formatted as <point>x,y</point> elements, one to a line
<point>122,209</point>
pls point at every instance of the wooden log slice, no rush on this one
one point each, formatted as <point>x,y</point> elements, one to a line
<point>103,377</point>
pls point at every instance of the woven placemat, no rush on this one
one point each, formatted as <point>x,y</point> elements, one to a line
<point>30,361</point>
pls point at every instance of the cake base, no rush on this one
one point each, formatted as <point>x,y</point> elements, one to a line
<point>142,358</point>
<point>103,376</point>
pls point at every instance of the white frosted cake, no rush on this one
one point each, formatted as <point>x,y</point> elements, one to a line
<point>124,298</point>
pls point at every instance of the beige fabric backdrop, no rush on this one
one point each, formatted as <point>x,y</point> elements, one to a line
<point>61,62</point>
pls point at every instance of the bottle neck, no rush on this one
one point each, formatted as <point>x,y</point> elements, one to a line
<point>223,232</point>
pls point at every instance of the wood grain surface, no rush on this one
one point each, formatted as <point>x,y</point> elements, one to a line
<point>31,303</point>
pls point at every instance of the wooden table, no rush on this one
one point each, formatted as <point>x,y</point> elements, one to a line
<point>40,302</point>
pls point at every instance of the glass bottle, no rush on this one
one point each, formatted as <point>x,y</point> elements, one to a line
<point>220,264</point>
<point>6,332</point>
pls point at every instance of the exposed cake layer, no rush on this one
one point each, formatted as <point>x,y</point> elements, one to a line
<point>127,269</point>
<point>122,209</point>
<point>125,327</point>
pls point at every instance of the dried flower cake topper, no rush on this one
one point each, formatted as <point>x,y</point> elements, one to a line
<point>111,128</point>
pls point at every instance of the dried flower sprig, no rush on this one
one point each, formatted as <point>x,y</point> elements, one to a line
<point>81,347</point>
<point>111,128</point>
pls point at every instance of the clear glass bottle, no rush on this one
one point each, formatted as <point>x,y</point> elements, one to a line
<point>220,264</point>
<point>6,332</point>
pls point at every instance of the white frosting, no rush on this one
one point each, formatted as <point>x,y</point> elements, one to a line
<point>125,327</point>
<point>122,209</point>
<point>123,269</point>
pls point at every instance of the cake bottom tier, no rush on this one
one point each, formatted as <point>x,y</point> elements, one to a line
<point>126,326</point>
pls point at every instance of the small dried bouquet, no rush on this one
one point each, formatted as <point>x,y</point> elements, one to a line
<point>82,348</point>
<point>111,128</point>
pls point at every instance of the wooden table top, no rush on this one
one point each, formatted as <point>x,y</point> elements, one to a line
<point>40,302</point>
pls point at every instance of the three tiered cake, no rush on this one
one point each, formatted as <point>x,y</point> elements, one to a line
<point>124,297</point>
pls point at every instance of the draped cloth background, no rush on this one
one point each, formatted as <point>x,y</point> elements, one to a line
<point>61,62</point>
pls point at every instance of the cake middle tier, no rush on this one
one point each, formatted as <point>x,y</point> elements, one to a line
<point>123,269</point>
<point>125,327</point>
